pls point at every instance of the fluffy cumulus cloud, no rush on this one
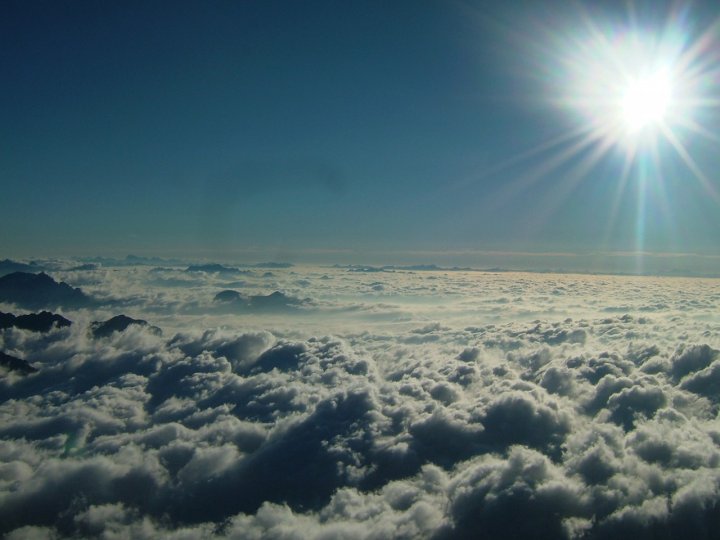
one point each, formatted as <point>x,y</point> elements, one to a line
<point>407,404</point>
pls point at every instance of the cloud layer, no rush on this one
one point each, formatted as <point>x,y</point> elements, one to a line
<point>403,404</point>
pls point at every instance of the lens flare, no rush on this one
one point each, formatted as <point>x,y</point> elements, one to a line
<point>647,92</point>
<point>636,95</point>
<point>643,90</point>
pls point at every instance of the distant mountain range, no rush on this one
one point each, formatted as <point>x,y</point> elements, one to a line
<point>45,321</point>
<point>8,266</point>
<point>269,265</point>
<point>119,323</point>
<point>37,322</point>
<point>12,363</point>
<point>133,260</point>
<point>34,291</point>
<point>85,267</point>
<point>410,268</point>
<point>214,268</point>
<point>275,301</point>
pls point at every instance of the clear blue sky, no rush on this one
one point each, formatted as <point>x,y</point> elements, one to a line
<point>208,128</point>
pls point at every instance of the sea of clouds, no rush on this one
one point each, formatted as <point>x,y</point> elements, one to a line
<point>366,403</point>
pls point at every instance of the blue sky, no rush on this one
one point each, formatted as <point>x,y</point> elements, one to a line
<point>350,128</point>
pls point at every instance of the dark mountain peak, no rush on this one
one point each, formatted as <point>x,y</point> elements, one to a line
<point>85,267</point>
<point>8,266</point>
<point>214,268</point>
<point>23,278</point>
<point>39,290</point>
<point>7,320</point>
<point>11,363</point>
<point>272,265</point>
<point>274,301</point>
<point>37,322</point>
<point>227,296</point>
<point>119,323</point>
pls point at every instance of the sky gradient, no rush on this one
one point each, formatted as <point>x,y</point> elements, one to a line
<point>332,130</point>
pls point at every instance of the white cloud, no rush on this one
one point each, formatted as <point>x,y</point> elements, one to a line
<point>437,405</point>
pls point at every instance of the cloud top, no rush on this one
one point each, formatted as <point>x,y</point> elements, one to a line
<point>535,410</point>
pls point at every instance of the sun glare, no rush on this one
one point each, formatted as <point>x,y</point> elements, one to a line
<point>645,101</point>
<point>643,91</point>
<point>629,90</point>
<point>641,97</point>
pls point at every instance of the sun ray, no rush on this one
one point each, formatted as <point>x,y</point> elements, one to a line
<point>619,191</point>
<point>659,186</point>
<point>568,184</point>
<point>640,217</point>
<point>693,60</point>
<point>703,102</point>
<point>699,129</point>
<point>552,163</point>
<point>635,88</point>
<point>578,139</point>
<point>638,91</point>
<point>691,164</point>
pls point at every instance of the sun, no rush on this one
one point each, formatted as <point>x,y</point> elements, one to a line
<point>643,97</point>
<point>645,101</point>
<point>639,99</point>
<point>639,91</point>
<point>628,91</point>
